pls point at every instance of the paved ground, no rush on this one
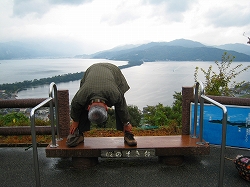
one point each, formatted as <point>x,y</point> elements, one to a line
<point>16,169</point>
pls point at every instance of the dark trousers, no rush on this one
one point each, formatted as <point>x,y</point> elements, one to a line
<point>84,123</point>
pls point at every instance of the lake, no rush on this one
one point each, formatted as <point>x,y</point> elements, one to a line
<point>150,84</point>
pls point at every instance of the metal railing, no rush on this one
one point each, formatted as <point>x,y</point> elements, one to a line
<point>199,84</point>
<point>33,132</point>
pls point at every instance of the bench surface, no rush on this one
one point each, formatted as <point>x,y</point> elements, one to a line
<point>162,146</point>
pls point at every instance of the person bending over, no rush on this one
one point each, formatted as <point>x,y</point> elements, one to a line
<point>103,85</point>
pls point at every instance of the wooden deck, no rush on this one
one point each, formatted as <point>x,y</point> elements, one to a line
<point>180,145</point>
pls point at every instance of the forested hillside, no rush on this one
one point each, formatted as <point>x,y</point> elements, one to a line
<point>177,50</point>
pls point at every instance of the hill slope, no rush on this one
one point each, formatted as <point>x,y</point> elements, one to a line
<point>241,48</point>
<point>177,50</point>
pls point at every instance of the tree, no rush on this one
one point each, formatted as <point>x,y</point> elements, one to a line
<point>177,108</point>
<point>160,115</point>
<point>156,115</point>
<point>218,84</point>
<point>135,115</point>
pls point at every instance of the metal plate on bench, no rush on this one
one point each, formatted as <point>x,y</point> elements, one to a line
<point>128,153</point>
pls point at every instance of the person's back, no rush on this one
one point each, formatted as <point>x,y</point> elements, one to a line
<point>99,80</point>
<point>105,74</point>
<point>102,81</point>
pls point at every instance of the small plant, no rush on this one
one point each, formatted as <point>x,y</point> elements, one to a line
<point>14,119</point>
<point>19,119</point>
<point>218,84</point>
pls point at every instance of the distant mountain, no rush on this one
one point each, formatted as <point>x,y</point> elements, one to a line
<point>44,49</point>
<point>177,50</point>
<point>241,48</point>
<point>124,47</point>
<point>185,43</point>
<point>17,50</point>
<point>180,42</point>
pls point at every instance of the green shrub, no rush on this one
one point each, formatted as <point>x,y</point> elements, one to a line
<point>14,119</point>
<point>19,119</point>
<point>160,115</point>
<point>218,84</point>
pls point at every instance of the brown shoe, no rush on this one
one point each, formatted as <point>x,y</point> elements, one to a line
<point>129,139</point>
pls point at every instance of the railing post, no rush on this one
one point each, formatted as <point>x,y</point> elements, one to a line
<point>63,112</point>
<point>223,146</point>
<point>34,145</point>
<point>187,96</point>
<point>198,85</point>
<point>201,122</point>
<point>54,88</point>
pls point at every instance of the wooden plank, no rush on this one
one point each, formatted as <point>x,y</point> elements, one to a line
<point>163,145</point>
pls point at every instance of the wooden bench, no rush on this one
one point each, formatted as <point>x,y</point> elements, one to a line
<point>169,149</point>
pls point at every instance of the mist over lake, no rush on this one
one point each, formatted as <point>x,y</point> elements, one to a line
<point>150,84</point>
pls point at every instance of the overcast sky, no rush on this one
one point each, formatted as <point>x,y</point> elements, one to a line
<point>95,25</point>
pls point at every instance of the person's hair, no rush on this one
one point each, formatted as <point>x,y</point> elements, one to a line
<point>97,114</point>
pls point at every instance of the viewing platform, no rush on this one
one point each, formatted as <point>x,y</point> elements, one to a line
<point>170,149</point>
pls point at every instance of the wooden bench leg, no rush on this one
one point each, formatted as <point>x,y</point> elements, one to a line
<point>84,162</point>
<point>171,160</point>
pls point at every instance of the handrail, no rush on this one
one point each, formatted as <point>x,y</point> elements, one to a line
<point>33,131</point>
<point>34,144</point>
<point>54,88</point>
<point>223,139</point>
<point>196,105</point>
<point>224,125</point>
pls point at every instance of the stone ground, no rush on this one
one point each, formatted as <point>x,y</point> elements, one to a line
<point>17,169</point>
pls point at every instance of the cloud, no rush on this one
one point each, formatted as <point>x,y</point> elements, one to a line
<point>170,10</point>
<point>105,24</point>
<point>172,5</point>
<point>161,11</point>
<point>38,8</point>
<point>179,6</point>
<point>23,8</point>
<point>121,12</point>
<point>69,2</point>
<point>232,14</point>
<point>120,18</point>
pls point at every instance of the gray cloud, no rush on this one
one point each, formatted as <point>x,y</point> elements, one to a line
<point>125,13</point>
<point>228,17</point>
<point>156,2</point>
<point>25,7</point>
<point>39,7</point>
<point>165,10</point>
<point>179,6</point>
<point>69,2</point>
<point>173,9</point>
<point>122,17</point>
<point>173,5</point>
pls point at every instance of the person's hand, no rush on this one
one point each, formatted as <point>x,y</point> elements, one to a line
<point>73,127</point>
